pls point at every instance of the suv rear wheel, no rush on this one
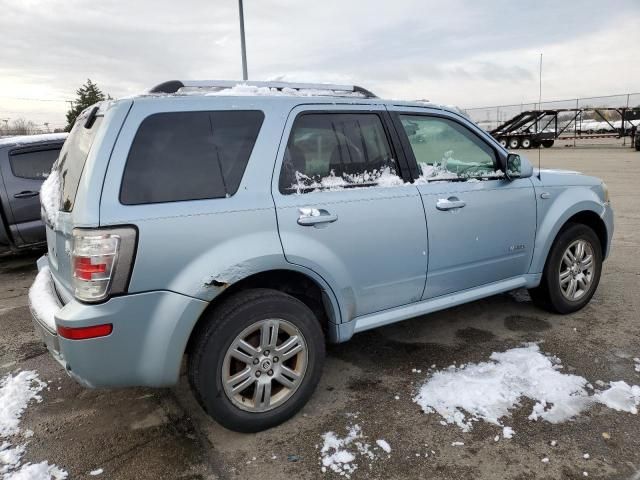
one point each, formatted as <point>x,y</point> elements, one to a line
<point>572,272</point>
<point>257,360</point>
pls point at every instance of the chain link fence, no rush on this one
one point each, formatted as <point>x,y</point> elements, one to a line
<point>491,117</point>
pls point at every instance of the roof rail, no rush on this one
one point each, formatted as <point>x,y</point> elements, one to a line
<point>172,86</point>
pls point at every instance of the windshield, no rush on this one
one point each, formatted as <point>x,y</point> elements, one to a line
<point>72,158</point>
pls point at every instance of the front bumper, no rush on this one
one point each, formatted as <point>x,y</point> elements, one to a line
<point>145,348</point>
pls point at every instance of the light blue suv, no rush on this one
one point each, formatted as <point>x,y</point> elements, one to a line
<point>243,226</point>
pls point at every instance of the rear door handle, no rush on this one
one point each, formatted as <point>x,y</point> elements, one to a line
<point>314,216</point>
<point>450,203</point>
<point>26,194</point>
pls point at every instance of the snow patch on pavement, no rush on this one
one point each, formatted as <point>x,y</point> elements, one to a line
<point>488,391</point>
<point>339,454</point>
<point>16,392</point>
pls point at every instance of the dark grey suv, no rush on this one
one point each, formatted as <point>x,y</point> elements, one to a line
<point>25,162</point>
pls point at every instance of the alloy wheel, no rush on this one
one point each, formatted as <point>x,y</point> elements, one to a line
<point>576,270</point>
<point>264,365</point>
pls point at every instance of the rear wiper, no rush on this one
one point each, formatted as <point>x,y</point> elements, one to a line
<point>91,118</point>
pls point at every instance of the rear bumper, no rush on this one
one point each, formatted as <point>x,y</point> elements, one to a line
<point>145,348</point>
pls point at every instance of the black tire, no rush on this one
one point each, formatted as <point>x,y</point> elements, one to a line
<point>548,295</point>
<point>526,143</point>
<point>222,325</point>
<point>514,143</point>
<point>503,141</point>
<point>637,146</point>
<point>547,143</point>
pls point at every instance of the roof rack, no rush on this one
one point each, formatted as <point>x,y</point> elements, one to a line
<point>172,86</point>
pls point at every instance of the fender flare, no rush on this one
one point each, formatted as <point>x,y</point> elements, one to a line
<point>562,210</point>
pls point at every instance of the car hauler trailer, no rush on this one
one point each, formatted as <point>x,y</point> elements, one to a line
<point>535,128</point>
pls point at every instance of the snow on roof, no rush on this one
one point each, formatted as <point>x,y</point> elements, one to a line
<point>245,90</point>
<point>28,139</point>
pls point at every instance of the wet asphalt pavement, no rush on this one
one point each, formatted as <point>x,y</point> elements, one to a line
<point>150,434</point>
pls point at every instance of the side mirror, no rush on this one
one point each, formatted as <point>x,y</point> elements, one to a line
<point>517,167</point>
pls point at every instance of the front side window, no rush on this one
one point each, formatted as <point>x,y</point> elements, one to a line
<point>34,165</point>
<point>335,151</point>
<point>445,150</point>
<point>189,156</point>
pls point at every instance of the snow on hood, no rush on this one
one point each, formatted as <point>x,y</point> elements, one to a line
<point>556,170</point>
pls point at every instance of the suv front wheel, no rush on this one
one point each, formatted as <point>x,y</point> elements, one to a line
<point>257,360</point>
<point>572,272</point>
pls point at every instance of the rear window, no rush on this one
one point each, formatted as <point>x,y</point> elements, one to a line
<point>72,159</point>
<point>33,164</point>
<point>189,156</point>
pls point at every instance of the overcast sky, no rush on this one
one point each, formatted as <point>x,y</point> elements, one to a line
<point>467,53</point>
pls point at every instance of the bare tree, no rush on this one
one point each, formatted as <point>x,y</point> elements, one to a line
<point>19,126</point>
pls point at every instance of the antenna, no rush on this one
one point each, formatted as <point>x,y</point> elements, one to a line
<point>540,108</point>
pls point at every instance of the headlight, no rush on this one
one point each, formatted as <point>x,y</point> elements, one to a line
<point>605,191</point>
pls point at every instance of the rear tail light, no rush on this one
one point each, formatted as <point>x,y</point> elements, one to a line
<point>101,260</point>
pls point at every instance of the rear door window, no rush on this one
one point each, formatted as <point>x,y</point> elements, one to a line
<point>336,150</point>
<point>181,156</point>
<point>34,164</point>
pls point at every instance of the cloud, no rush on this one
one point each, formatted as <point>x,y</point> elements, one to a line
<point>459,52</point>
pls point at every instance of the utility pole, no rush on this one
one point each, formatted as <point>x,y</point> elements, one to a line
<point>242,42</point>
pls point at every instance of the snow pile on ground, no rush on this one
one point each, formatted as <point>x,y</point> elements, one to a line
<point>42,298</point>
<point>636,364</point>
<point>338,454</point>
<point>489,390</point>
<point>50,196</point>
<point>16,391</point>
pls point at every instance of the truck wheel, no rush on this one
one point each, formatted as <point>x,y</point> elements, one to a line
<point>514,143</point>
<point>526,142</point>
<point>257,360</point>
<point>572,271</point>
<point>503,142</point>
<point>547,143</point>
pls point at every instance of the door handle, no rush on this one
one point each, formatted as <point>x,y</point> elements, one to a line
<point>315,216</point>
<point>450,203</point>
<point>26,194</point>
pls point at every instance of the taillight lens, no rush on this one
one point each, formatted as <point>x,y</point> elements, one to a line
<point>93,258</point>
<point>101,260</point>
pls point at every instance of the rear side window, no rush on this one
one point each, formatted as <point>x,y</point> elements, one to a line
<point>72,158</point>
<point>336,150</point>
<point>35,165</point>
<point>189,156</point>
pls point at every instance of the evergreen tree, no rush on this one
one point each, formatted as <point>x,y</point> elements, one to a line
<point>88,94</point>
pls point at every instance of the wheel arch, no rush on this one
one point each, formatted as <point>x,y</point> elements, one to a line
<point>587,212</point>
<point>303,284</point>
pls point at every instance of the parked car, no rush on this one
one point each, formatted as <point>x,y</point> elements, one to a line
<point>245,226</point>
<point>25,161</point>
